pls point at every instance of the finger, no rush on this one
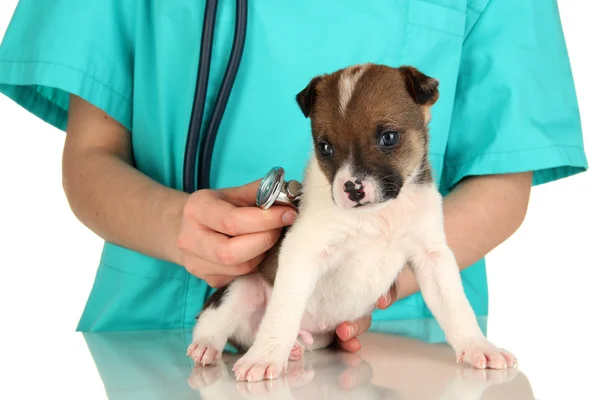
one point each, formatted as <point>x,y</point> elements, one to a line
<point>244,268</point>
<point>224,217</point>
<point>216,248</point>
<point>218,281</point>
<point>352,345</point>
<point>345,331</point>
<point>226,251</point>
<point>241,196</point>
<point>363,325</point>
<point>387,299</point>
<point>201,268</point>
<point>348,330</point>
<point>245,220</point>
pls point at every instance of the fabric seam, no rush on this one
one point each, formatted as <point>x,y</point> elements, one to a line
<point>472,159</point>
<point>102,263</point>
<point>448,32</point>
<point>122,96</point>
<point>480,12</point>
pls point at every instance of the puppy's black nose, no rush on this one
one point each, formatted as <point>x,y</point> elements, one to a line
<point>354,193</point>
<point>349,186</point>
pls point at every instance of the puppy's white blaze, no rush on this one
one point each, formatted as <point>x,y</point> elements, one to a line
<point>347,84</point>
<point>343,175</point>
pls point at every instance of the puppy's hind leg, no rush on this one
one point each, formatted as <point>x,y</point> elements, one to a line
<point>320,341</point>
<point>226,312</point>
<point>310,342</point>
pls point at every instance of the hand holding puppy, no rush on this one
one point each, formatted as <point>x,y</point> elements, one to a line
<point>348,332</point>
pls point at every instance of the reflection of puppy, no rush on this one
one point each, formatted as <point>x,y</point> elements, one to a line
<point>327,374</point>
<point>369,206</point>
<point>471,384</point>
<point>215,383</point>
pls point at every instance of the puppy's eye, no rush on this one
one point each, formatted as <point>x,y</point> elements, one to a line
<point>389,139</point>
<point>325,149</point>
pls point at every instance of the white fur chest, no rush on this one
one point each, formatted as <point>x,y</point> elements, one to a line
<point>360,257</point>
<point>358,252</point>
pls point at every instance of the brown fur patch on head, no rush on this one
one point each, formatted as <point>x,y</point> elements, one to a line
<point>382,99</point>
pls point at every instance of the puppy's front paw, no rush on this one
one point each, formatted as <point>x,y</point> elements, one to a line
<point>483,354</point>
<point>266,362</point>
<point>203,352</point>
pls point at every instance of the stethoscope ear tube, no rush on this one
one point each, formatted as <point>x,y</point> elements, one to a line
<point>193,137</point>
<point>273,188</point>
<point>209,138</point>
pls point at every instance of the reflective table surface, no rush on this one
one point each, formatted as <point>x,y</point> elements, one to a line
<point>413,363</point>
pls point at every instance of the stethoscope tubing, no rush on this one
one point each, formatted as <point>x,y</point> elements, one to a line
<point>201,180</point>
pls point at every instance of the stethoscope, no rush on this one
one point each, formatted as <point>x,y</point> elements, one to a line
<point>273,188</point>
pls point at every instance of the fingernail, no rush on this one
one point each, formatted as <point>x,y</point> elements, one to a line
<point>350,332</point>
<point>384,301</point>
<point>388,299</point>
<point>289,217</point>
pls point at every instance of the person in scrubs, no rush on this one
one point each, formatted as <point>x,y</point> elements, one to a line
<point>119,78</point>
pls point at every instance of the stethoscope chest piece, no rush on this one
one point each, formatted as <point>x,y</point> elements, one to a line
<point>273,189</point>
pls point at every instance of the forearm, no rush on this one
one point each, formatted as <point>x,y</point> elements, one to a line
<point>110,196</point>
<point>480,214</point>
<point>122,205</point>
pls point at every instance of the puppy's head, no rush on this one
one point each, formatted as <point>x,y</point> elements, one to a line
<point>369,127</point>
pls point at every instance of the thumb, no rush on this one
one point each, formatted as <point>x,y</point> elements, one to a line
<point>241,196</point>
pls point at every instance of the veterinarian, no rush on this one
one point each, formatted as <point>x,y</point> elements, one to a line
<point>119,78</point>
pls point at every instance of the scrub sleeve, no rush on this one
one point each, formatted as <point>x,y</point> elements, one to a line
<point>55,48</point>
<point>516,109</point>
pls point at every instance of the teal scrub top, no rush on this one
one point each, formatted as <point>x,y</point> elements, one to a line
<point>507,104</point>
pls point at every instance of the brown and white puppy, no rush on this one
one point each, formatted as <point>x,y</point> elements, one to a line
<point>369,207</point>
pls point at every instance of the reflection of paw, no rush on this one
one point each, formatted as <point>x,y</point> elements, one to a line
<point>203,353</point>
<point>266,362</point>
<point>202,377</point>
<point>295,379</point>
<point>261,388</point>
<point>490,376</point>
<point>298,377</point>
<point>482,354</point>
<point>297,352</point>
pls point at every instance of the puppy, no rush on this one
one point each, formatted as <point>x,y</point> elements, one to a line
<point>369,207</point>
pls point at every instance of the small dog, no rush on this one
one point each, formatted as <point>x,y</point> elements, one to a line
<point>369,207</point>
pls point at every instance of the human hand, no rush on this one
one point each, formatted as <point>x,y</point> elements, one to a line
<point>348,332</point>
<point>223,233</point>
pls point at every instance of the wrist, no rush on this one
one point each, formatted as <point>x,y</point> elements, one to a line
<point>172,219</point>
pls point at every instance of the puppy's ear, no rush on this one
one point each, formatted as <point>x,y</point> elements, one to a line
<point>422,88</point>
<point>307,97</point>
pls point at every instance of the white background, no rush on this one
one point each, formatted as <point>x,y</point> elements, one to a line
<point>543,281</point>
